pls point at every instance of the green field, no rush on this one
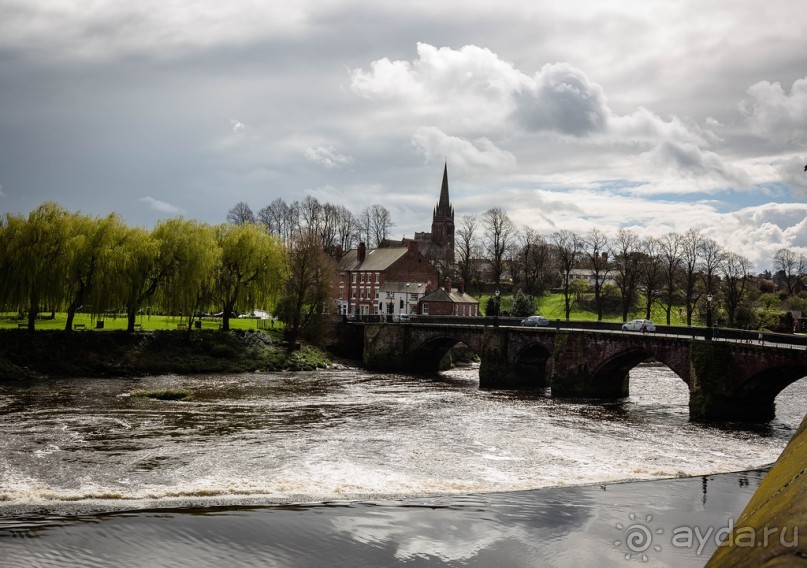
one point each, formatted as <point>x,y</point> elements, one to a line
<point>118,322</point>
<point>553,307</point>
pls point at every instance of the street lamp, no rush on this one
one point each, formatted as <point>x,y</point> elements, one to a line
<point>708,334</point>
<point>498,303</point>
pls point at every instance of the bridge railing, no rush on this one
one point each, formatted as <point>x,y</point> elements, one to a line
<point>719,334</point>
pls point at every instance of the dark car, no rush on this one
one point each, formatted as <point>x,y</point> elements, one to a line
<point>535,321</point>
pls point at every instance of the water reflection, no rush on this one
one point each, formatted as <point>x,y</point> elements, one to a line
<point>559,526</point>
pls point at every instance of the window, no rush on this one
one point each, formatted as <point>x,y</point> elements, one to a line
<point>425,307</point>
<point>376,294</point>
<point>377,276</point>
<point>353,294</point>
<point>413,297</point>
<point>361,294</point>
<point>361,279</point>
<point>341,291</point>
<point>354,277</point>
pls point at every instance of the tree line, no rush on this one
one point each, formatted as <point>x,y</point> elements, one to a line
<point>625,272</point>
<point>56,260</point>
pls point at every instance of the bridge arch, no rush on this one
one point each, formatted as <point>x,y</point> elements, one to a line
<point>426,356</point>
<point>533,365</point>
<point>612,375</point>
<point>762,388</point>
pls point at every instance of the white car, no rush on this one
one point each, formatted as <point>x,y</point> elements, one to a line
<point>639,325</point>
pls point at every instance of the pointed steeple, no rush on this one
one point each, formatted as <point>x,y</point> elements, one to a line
<point>444,208</point>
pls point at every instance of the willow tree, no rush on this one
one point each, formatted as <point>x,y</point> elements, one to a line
<point>190,254</point>
<point>251,267</point>
<point>139,271</point>
<point>308,286</point>
<point>92,243</point>
<point>34,258</point>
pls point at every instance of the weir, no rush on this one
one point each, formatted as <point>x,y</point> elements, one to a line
<point>727,381</point>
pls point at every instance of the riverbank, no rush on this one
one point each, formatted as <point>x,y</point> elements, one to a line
<point>57,354</point>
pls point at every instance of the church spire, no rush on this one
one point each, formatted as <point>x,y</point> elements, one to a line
<point>444,205</point>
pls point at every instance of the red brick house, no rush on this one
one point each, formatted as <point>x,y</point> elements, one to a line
<point>448,301</point>
<point>363,273</point>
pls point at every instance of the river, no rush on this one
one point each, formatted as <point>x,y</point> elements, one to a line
<point>415,470</point>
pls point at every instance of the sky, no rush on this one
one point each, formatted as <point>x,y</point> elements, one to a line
<point>649,115</point>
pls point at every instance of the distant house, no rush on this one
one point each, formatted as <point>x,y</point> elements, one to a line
<point>398,272</point>
<point>588,275</point>
<point>448,301</point>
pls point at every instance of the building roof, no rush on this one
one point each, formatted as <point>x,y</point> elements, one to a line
<point>408,287</point>
<point>376,259</point>
<point>440,295</point>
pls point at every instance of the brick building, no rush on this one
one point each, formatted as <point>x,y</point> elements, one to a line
<point>448,301</point>
<point>403,274</point>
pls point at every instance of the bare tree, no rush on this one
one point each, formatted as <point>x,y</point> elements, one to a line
<point>537,261</point>
<point>280,218</point>
<point>345,228</point>
<point>374,223</point>
<point>499,233</point>
<point>790,266</point>
<point>691,247</point>
<point>466,244</point>
<point>671,263</point>
<point>626,268</point>
<point>240,214</point>
<point>711,257</point>
<point>651,272</point>
<point>735,269</point>
<point>596,250</point>
<point>567,247</point>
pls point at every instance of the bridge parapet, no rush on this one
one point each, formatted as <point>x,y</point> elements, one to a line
<point>726,380</point>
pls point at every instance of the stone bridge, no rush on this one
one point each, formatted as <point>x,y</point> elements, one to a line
<point>726,380</point>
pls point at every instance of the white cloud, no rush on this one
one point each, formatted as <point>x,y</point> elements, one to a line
<point>237,126</point>
<point>777,115</point>
<point>562,99</point>
<point>463,154</point>
<point>74,29</point>
<point>327,156</point>
<point>161,206</point>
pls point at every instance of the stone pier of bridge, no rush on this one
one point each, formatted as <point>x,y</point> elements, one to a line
<point>726,380</point>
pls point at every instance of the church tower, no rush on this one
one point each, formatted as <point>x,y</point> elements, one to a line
<point>442,235</point>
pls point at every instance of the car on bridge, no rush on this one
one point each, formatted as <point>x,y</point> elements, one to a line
<point>535,321</point>
<point>642,325</point>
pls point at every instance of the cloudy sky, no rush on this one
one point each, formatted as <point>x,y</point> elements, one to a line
<point>646,114</point>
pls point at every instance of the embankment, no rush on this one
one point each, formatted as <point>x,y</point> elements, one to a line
<point>111,353</point>
<point>772,530</point>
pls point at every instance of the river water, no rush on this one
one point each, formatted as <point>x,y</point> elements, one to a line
<point>358,468</point>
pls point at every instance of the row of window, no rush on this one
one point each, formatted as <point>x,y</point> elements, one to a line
<point>362,277</point>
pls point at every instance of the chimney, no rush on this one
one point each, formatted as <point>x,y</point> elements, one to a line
<point>338,253</point>
<point>460,286</point>
<point>605,256</point>
<point>448,284</point>
<point>412,245</point>
<point>361,254</point>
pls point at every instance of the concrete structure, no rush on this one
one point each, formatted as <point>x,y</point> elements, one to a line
<point>726,380</point>
<point>362,274</point>
<point>767,531</point>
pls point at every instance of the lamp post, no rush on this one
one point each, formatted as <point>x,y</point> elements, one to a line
<point>708,334</point>
<point>498,303</point>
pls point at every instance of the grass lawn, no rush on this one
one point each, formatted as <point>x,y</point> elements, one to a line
<point>553,307</point>
<point>10,321</point>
